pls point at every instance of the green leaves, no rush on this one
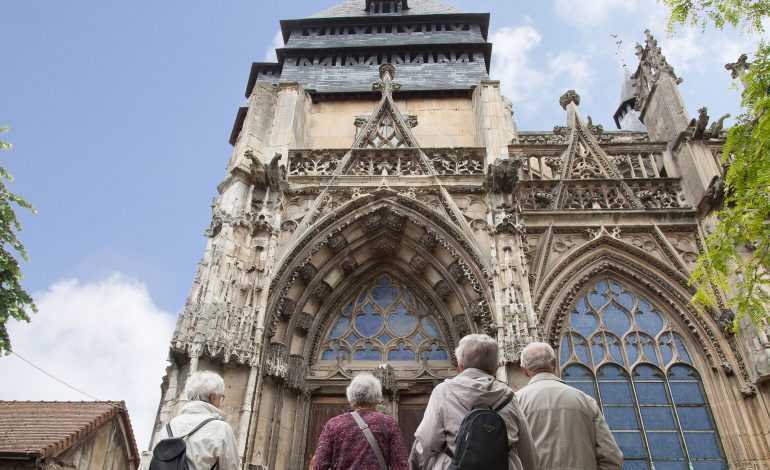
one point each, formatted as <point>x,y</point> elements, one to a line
<point>14,300</point>
<point>746,15</point>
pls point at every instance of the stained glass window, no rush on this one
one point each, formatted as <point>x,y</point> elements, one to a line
<point>384,321</point>
<point>619,349</point>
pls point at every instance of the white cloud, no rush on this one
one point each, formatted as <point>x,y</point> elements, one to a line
<point>685,50</point>
<point>588,13</point>
<point>106,338</point>
<point>270,50</point>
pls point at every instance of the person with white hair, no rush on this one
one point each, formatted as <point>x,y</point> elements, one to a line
<point>435,438</point>
<point>213,445</point>
<point>567,425</point>
<point>364,439</point>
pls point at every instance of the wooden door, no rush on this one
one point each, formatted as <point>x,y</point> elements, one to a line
<point>410,411</point>
<point>322,409</point>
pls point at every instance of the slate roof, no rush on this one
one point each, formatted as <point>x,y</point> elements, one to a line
<point>45,429</point>
<point>353,8</point>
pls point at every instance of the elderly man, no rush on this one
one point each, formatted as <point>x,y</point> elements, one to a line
<point>452,400</point>
<point>212,444</point>
<point>568,426</point>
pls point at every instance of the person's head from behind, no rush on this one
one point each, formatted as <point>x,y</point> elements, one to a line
<point>206,386</point>
<point>477,352</point>
<point>537,358</point>
<point>365,391</point>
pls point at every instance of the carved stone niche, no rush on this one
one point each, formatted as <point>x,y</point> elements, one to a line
<point>322,291</point>
<point>418,263</point>
<point>307,272</point>
<point>277,364</point>
<point>428,242</point>
<point>286,308</point>
<point>502,175</point>
<point>338,242</point>
<point>349,266</point>
<point>456,271</point>
<point>442,288</point>
<point>387,376</point>
<point>297,373</point>
<point>304,322</point>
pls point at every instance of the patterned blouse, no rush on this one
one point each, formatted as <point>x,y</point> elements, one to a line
<point>342,445</point>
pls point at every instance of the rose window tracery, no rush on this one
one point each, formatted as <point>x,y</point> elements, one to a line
<point>620,350</point>
<point>384,322</point>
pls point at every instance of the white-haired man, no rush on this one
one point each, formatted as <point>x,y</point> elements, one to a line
<point>568,426</point>
<point>212,445</point>
<point>452,400</point>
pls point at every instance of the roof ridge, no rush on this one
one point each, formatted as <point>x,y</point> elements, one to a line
<point>355,8</point>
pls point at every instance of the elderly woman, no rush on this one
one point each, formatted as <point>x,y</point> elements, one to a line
<point>477,361</point>
<point>343,445</point>
<point>214,442</point>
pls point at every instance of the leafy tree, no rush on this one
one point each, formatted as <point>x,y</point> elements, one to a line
<point>739,248</point>
<point>13,298</point>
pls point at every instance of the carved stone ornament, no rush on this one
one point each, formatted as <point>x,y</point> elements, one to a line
<point>456,271</point>
<point>307,272</point>
<point>277,365</point>
<point>418,263</point>
<point>387,376</point>
<point>570,96</point>
<point>739,67</point>
<point>503,174</point>
<point>442,288</point>
<point>322,291</point>
<point>461,325</point>
<point>338,242</point>
<point>287,307</point>
<point>349,266</point>
<point>304,321</point>
<point>428,242</point>
<point>297,374</point>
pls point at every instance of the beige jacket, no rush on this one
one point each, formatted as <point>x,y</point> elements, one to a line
<point>568,427</point>
<point>448,405</point>
<point>213,443</point>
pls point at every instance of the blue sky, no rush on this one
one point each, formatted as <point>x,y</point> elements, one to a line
<point>120,114</point>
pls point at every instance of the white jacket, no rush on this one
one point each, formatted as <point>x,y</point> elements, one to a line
<point>214,442</point>
<point>448,405</point>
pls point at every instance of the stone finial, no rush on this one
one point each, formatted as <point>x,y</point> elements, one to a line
<point>386,85</point>
<point>570,96</point>
<point>739,67</point>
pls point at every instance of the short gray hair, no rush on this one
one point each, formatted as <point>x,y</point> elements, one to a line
<point>202,384</point>
<point>538,357</point>
<point>365,389</point>
<point>478,352</point>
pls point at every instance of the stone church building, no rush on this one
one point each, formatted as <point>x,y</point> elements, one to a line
<point>380,203</point>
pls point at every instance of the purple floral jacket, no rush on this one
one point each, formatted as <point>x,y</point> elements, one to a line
<point>342,445</point>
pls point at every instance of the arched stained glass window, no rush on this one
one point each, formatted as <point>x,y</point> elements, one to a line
<point>384,322</point>
<point>620,350</point>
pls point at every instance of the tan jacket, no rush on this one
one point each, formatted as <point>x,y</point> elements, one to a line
<point>448,405</point>
<point>568,427</point>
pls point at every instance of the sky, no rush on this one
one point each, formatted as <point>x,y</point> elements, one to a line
<point>120,114</point>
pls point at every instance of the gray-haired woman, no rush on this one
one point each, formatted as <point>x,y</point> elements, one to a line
<point>344,446</point>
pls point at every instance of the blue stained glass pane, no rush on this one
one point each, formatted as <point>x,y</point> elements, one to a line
<point>612,372</point>
<point>636,465</point>
<point>621,417</point>
<point>709,465</point>
<point>616,320</point>
<point>584,323</point>
<point>597,301</point>
<point>417,339</point>
<point>626,300</point>
<point>682,372</point>
<point>436,354</point>
<point>686,393</point>
<point>351,339</point>
<point>362,296</point>
<point>408,297</point>
<point>384,294</point>
<point>681,348</point>
<point>616,288</point>
<point>385,338</point>
<point>564,350</point>
<point>341,325</point>
<point>694,418</point>
<point>631,350</point>
<point>670,464</point>
<point>401,322</point>
<point>614,345</point>
<point>348,308</point>
<point>657,417</point>
<point>615,393</point>
<point>581,306</point>
<point>648,346</point>
<point>652,393</point>
<point>665,445</point>
<point>367,354</point>
<point>666,351</point>
<point>369,322</point>
<point>430,327</point>
<point>646,372</point>
<point>630,444</point>
<point>601,287</point>
<point>577,373</point>
<point>332,353</point>
<point>648,320</point>
<point>581,350</point>
<point>401,354</point>
<point>597,349</point>
<point>586,387</point>
<point>702,445</point>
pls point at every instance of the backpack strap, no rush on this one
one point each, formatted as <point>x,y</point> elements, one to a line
<point>370,437</point>
<point>168,430</point>
<point>505,403</point>
<point>203,423</point>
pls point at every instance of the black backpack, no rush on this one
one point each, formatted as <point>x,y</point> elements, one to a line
<point>169,453</point>
<point>482,440</point>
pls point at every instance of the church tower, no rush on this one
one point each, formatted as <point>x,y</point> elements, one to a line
<point>380,204</point>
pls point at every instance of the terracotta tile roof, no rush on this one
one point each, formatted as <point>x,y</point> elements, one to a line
<point>45,429</point>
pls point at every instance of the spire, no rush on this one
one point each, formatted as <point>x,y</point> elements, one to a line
<point>626,116</point>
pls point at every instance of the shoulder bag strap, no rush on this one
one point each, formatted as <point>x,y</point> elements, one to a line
<point>168,430</point>
<point>370,437</point>
<point>203,423</point>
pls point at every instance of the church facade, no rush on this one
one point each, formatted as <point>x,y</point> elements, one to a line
<point>380,203</point>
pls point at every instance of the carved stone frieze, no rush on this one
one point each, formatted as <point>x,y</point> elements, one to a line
<point>307,272</point>
<point>322,291</point>
<point>428,242</point>
<point>287,307</point>
<point>297,373</point>
<point>338,242</point>
<point>304,322</point>
<point>277,362</point>
<point>386,246</point>
<point>456,271</point>
<point>418,263</point>
<point>442,288</point>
